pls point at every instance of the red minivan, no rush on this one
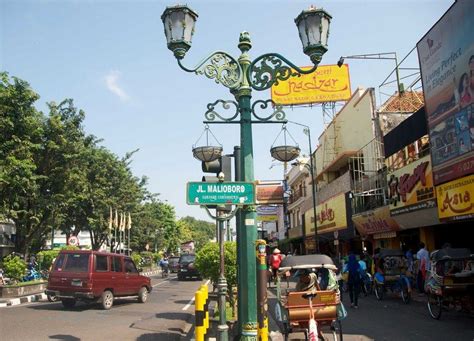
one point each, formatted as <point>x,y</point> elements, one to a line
<point>95,276</point>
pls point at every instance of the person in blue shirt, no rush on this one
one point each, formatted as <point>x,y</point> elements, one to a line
<point>354,279</point>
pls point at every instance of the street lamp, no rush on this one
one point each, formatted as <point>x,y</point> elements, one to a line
<point>241,76</point>
<point>385,55</point>
<point>307,131</point>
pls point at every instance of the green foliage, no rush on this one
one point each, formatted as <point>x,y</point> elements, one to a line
<point>136,259</point>
<point>156,257</point>
<point>70,247</point>
<point>207,262</point>
<point>15,267</point>
<point>147,258</point>
<point>198,230</point>
<point>45,258</point>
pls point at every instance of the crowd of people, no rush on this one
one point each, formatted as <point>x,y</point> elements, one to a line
<point>354,269</point>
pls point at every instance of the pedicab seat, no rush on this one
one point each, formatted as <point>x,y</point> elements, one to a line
<point>324,306</point>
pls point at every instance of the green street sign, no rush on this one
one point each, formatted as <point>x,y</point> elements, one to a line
<point>220,193</point>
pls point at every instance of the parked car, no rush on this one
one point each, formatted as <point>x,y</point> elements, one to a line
<point>186,267</point>
<point>173,264</point>
<point>94,276</point>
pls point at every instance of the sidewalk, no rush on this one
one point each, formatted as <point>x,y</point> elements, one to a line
<point>8,302</point>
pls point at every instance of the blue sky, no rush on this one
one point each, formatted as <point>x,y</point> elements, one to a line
<point>111,58</point>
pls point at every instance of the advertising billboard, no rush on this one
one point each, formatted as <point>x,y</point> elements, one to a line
<point>267,213</point>
<point>329,83</point>
<point>456,199</point>
<point>411,188</point>
<point>331,215</point>
<point>375,221</point>
<point>446,55</point>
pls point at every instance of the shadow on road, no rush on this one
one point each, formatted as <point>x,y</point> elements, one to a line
<point>64,337</point>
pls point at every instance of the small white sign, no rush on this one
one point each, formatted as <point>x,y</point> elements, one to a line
<point>336,234</point>
<point>249,222</point>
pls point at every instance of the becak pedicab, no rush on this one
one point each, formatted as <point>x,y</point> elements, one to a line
<point>450,283</point>
<point>391,274</point>
<point>304,309</point>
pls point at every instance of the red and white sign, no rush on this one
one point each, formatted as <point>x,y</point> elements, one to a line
<point>73,241</point>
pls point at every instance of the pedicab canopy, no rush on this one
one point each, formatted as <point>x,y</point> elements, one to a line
<point>307,262</point>
<point>451,253</point>
<point>390,253</point>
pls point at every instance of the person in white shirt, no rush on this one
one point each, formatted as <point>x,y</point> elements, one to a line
<point>423,266</point>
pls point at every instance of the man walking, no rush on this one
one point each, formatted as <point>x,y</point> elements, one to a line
<point>423,265</point>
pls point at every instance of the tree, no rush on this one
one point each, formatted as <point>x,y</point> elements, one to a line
<point>198,230</point>
<point>208,260</point>
<point>21,134</point>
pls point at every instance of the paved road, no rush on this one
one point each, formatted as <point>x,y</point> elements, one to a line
<point>168,315</point>
<point>391,319</point>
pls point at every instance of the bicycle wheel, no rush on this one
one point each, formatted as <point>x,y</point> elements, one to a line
<point>405,294</point>
<point>378,291</point>
<point>434,306</point>
<point>336,328</point>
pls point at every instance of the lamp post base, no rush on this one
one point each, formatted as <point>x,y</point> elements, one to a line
<point>222,328</point>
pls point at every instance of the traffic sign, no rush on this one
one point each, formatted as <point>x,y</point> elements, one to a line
<point>73,241</point>
<point>220,193</point>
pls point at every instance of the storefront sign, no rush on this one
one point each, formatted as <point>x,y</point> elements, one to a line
<point>269,193</point>
<point>310,244</point>
<point>330,215</point>
<point>376,221</point>
<point>267,213</point>
<point>411,187</point>
<point>295,232</point>
<point>445,54</point>
<point>329,83</point>
<point>456,199</point>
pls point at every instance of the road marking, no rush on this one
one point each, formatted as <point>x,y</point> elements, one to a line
<point>155,285</point>
<point>186,307</point>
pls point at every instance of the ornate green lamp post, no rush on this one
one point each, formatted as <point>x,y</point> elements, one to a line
<point>240,76</point>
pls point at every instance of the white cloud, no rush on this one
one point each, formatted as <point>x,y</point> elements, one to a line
<point>111,80</point>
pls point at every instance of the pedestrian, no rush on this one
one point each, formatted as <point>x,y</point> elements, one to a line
<point>410,260</point>
<point>354,279</point>
<point>275,261</point>
<point>423,266</point>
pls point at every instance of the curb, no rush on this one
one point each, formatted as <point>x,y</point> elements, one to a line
<point>21,300</point>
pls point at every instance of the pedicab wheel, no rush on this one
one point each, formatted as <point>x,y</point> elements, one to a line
<point>434,306</point>
<point>378,291</point>
<point>337,330</point>
<point>405,295</point>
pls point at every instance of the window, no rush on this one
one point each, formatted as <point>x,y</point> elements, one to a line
<point>58,266</point>
<point>117,264</point>
<point>77,262</point>
<point>101,263</point>
<point>129,266</point>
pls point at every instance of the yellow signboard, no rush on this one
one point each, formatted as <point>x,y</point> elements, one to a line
<point>330,215</point>
<point>329,83</point>
<point>456,199</point>
<point>375,221</point>
<point>411,187</point>
<point>267,217</point>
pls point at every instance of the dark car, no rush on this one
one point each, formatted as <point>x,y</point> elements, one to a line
<point>187,267</point>
<point>94,276</point>
<point>173,264</point>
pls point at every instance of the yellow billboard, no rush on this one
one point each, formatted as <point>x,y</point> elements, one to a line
<point>410,188</point>
<point>330,215</point>
<point>329,83</point>
<point>456,199</point>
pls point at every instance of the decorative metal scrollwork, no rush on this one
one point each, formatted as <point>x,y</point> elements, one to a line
<point>270,68</point>
<point>278,112</point>
<point>212,115</point>
<point>221,67</point>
